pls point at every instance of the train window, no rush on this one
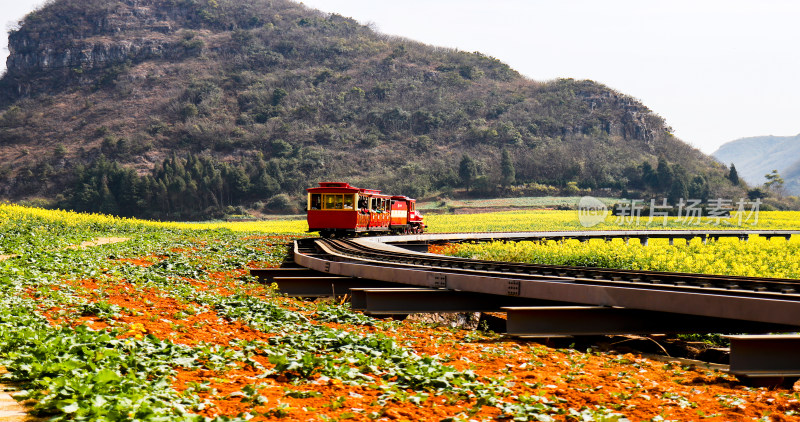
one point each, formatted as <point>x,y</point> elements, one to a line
<point>334,202</point>
<point>348,202</point>
<point>363,202</point>
<point>315,203</point>
<point>374,204</point>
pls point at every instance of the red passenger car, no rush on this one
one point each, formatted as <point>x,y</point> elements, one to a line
<point>338,209</point>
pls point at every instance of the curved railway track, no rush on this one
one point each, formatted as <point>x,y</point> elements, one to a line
<point>766,300</point>
<point>647,280</point>
<point>577,300</point>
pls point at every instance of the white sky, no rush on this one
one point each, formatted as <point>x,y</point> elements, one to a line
<point>715,70</point>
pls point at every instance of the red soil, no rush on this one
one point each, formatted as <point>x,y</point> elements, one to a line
<point>636,387</point>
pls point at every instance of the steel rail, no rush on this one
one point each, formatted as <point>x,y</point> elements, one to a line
<point>734,285</point>
<point>763,300</point>
<point>585,234</point>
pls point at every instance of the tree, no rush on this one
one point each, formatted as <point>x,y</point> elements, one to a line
<point>507,169</point>
<point>265,185</point>
<point>698,189</point>
<point>239,182</point>
<point>108,205</point>
<point>677,191</point>
<point>733,176</point>
<point>649,176</point>
<point>679,187</point>
<point>756,193</point>
<point>665,174</point>
<point>774,182</point>
<point>467,170</point>
<point>278,95</point>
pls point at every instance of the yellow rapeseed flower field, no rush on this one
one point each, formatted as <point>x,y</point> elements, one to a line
<point>24,228</point>
<point>11,212</point>
<point>547,220</point>
<point>538,220</point>
<point>757,257</point>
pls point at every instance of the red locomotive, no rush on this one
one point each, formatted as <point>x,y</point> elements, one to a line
<point>337,209</point>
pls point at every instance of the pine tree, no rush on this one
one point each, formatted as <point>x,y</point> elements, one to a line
<point>108,204</point>
<point>733,176</point>
<point>679,187</point>
<point>664,174</point>
<point>774,182</point>
<point>467,170</point>
<point>649,176</point>
<point>507,169</point>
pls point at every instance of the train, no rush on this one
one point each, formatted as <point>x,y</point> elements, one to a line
<point>336,209</point>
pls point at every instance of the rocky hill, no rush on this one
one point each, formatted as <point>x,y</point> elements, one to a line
<point>175,108</point>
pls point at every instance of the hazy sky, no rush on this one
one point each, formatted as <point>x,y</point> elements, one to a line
<point>715,70</point>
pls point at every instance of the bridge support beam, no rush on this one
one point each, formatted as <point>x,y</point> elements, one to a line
<point>414,246</point>
<point>422,300</point>
<point>267,275</point>
<point>324,286</point>
<point>599,320</point>
<point>771,359</point>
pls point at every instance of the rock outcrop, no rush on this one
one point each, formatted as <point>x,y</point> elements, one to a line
<point>124,32</point>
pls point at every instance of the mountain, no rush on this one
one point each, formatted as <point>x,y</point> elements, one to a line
<point>175,108</point>
<point>756,156</point>
<point>791,175</point>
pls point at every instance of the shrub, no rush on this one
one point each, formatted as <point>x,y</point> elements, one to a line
<point>281,204</point>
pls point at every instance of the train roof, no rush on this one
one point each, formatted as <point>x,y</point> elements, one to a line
<point>343,187</point>
<point>402,198</point>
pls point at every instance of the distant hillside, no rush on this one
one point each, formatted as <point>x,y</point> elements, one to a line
<point>180,108</point>
<point>756,156</point>
<point>791,175</point>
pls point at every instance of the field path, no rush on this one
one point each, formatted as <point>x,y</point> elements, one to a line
<point>88,244</point>
<point>99,241</point>
<point>10,410</point>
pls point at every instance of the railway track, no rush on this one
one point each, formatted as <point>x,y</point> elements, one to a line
<point>763,300</point>
<point>550,300</point>
<point>646,280</point>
